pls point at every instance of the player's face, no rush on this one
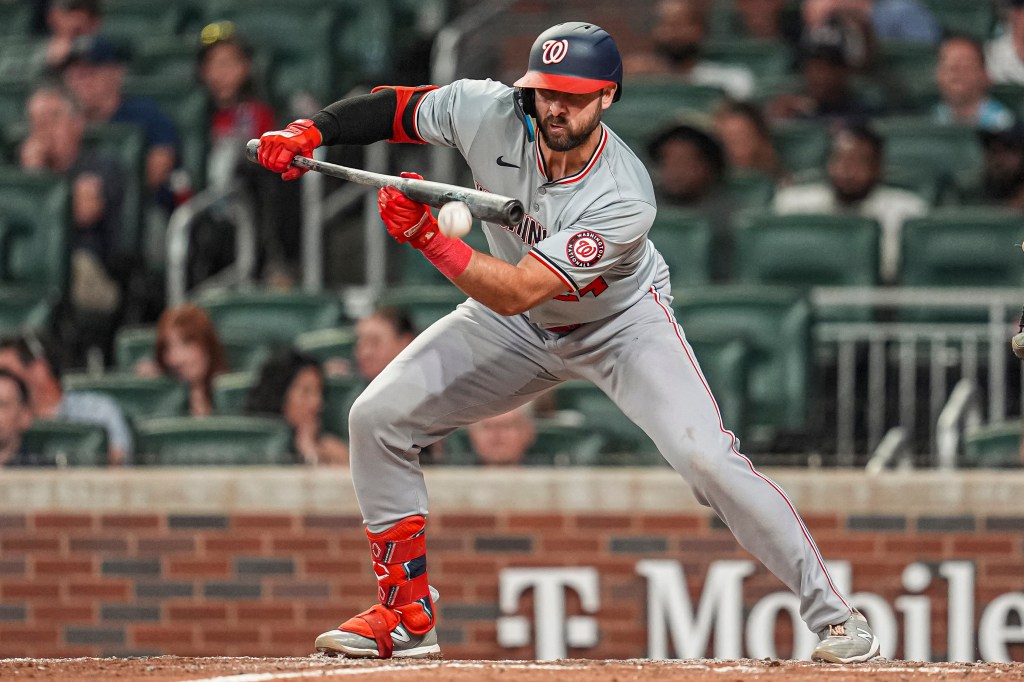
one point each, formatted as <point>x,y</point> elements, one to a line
<point>567,120</point>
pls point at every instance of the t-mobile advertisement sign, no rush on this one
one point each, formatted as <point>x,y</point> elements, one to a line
<point>678,628</point>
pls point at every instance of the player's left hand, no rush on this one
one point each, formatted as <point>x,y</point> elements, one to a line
<point>406,220</point>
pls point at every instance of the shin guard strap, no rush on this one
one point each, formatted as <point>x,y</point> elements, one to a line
<point>407,592</point>
<point>378,625</point>
<point>398,551</point>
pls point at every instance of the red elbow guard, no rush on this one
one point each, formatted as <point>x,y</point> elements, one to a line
<point>403,128</point>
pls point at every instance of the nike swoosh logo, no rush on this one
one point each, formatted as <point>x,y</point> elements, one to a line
<point>506,164</point>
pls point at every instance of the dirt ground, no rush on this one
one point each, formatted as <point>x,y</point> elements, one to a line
<point>174,668</point>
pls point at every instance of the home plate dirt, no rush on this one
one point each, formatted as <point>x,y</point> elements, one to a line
<point>167,668</point>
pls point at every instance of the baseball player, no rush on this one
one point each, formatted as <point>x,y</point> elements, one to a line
<point>576,290</point>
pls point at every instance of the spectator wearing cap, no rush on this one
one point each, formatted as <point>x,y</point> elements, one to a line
<point>854,187</point>
<point>689,172</point>
<point>828,56</point>
<point>68,21</point>
<point>1004,56</point>
<point>15,420</point>
<point>1003,167</point>
<point>54,144</point>
<point>94,72</point>
<point>964,85</point>
<point>38,364</point>
<point>680,29</point>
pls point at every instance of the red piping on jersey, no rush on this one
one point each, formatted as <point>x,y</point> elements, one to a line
<point>732,436</point>
<point>568,283</point>
<point>570,179</point>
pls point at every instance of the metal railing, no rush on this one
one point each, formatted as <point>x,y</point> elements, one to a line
<point>865,355</point>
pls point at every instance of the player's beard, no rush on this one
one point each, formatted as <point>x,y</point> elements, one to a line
<point>571,137</point>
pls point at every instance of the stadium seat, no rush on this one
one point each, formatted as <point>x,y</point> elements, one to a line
<point>424,304</point>
<point>920,142</point>
<point>328,344</point>
<point>133,22</point>
<point>993,446</point>
<point>22,62</point>
<point>132,344</point>
<point>684,240</point>
<point>973,17</point>
<point>339,394</point>
<point>35,209</point>
<point>167,57</point>
<point>364,44</point>
<point>67,443</point>
<point>16,18</point>
<point>138,397</point>
<point>910,69</point>
<point>806,250</point>
<point>267,317</point>
<point>801,145</point>
<point>213,441</point>
<point>763,58</point>
<point>750,190</point>
<point>126,143</point>
<point>625,442</point>
<point>231,390</point>
<point>776,322</point>
<point>556,445</point>
<point>22,309</point>
<point>725,364</point>
<point>1010,94</point>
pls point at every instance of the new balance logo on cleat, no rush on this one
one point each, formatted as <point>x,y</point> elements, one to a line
<point>852,641</point>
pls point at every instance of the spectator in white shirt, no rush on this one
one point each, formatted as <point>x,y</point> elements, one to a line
<point>1004,56</point>
<point>854,186</point>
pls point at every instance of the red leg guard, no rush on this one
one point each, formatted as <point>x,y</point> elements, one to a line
<point>400,564</point>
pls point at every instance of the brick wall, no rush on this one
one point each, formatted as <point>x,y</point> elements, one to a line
<point>103,582</point>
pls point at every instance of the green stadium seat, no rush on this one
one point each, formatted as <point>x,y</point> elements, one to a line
<point>166,57</point>
<point>138,397</point>
<point>801,145</point>
<point>16,18</point>
<point>213,441</point>
<point>684,239</point>
<point>126,143</point>
<point>556,445</point>
<point>14,94</point>
<point>922,143</point>
<point>973,17</point>
<point>67,443</point>
<point>36,211</point>
<point>993,446</point>
<point>133,22</point>
<point>231,390</point>
<point>1010,94</point>
<point>22,309</point>
<point>806,250</point>
<point>763,58</point>
<point>424,304</point>
<point>328,344</point>
<point>132,344</point>
<point>750,190</point>
<point>364,44</point>
<point>776,322</point>
<point>725,364</point>
<point>651,105</point>
<point>339,394</point>
<point>625,442</point>
<point>910,68</point>
<point>267,317</point>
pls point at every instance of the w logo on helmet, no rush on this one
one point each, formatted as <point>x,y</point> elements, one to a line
<point>555,51</point>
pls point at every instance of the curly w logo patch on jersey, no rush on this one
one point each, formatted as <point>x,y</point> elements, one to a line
<point>584,249</point>
<point>555,51</point>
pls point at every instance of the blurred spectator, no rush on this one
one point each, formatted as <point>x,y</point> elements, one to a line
<point>1004,56</point>
<point>188,349</point>
<point>746,138</point>
<point>68,21</point>
<point>380,337</point>
<point>54,143</point>
<point>963,85</point>
<point>15,419</point>
<point>1003,175</point>
<point>505,439</point>
<point>38,364</point>
<point>237,115</point>
<point>94,71</point>
<point>291,386</point>
<point>828,54</point>
<point>767,20</point>
<point>680,29</point>
<point>890,20</point>
<point>689,172</point>
<point>854,186</point>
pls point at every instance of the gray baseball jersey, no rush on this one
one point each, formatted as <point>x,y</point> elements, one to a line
<point>589,229</point>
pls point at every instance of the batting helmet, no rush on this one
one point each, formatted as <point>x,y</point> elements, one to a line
<point>574,57</point>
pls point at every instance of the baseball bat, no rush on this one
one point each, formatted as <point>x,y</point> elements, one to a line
<point>1017,345</point>
<point>493,208</point>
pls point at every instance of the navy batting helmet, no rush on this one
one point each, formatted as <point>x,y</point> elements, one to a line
<point>575,57</point>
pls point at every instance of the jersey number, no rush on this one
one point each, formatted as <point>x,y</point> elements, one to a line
<point>597,287</point>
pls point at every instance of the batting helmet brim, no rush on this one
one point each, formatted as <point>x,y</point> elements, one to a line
<point>553,81</point>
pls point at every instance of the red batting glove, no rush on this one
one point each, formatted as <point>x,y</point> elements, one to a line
<point>406,220</point>
<point>278,147</point>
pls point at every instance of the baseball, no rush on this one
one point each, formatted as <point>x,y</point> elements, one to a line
<point>455,219</point>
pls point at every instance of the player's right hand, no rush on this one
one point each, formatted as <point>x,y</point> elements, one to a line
<point>407,220</point>
<point>278,147</point>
